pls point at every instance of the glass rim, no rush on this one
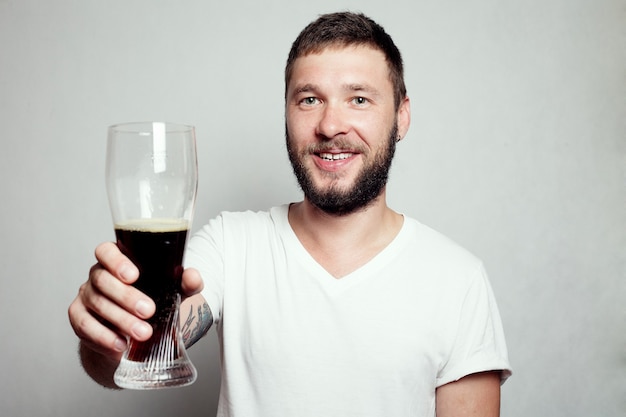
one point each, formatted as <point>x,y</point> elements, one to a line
<point>148,126</point>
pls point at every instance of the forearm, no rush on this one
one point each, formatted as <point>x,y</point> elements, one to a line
<point>98,366</point>
<point>196,319</point>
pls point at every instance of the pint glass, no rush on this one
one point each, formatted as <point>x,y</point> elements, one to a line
<point>151,179</point>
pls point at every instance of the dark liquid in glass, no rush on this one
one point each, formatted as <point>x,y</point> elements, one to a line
<point>157,250</point>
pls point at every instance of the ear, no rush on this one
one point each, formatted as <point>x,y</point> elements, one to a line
<point>404,117</point>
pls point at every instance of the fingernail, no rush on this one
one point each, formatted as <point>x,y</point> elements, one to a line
<point>120,345</point>
<point>128,272</point>
<point>143,308</point>
<point>141,330</point>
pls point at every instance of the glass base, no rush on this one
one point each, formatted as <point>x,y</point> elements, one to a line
<point>160,362</point>
<point>140,375</point>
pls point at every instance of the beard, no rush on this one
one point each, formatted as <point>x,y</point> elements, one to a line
<point>367,186</point>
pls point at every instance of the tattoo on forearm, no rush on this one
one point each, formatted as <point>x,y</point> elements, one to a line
<point>197,324</point>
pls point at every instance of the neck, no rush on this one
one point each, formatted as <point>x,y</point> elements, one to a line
<point>342,243</point>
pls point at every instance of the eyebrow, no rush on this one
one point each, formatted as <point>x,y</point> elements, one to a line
<point>362,87</point>
<point>307,88</point>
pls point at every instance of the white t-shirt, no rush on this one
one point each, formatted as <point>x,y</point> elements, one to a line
<point>295,341</point>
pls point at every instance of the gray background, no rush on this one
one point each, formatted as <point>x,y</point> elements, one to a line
<point>517,151</point>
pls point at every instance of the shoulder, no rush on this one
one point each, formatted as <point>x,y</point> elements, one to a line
<point>238,227</point>
<point>232,220</point>
<point>273,215</point>
<point>428,244</point>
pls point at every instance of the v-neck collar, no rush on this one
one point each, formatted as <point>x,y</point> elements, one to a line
<point>332,285</point>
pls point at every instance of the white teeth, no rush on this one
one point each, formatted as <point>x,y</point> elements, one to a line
<point>335,156</point>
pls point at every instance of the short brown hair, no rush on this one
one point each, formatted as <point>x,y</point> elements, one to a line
<point>345,29</point>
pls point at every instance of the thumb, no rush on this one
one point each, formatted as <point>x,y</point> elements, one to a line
<point>191,282</point>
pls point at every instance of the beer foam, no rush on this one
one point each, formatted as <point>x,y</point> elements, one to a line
<point>153,225</point>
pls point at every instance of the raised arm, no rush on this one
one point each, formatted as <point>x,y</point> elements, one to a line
<point>108,309</point>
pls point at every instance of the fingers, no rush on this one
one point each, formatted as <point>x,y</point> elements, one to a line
<point>93,332</point>
<point>102,323</point>
<point>117,304</point>
<point>104,289</point>
<point>108,309</point>
<point>110,257</point>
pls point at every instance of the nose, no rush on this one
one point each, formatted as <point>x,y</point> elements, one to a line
<point>332,121</point>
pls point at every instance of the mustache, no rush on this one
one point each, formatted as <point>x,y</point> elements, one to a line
<point>334,144</point>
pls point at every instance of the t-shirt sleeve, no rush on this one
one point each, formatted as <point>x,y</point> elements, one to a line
<point>479,344</point>
<point>205,252</point>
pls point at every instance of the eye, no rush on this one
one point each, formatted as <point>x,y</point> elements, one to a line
<point>360,101</point>
<point>309,101</point>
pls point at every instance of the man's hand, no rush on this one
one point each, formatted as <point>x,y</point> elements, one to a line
<point>108,309</point>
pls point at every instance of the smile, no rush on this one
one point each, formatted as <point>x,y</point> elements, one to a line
<point>334,156</point>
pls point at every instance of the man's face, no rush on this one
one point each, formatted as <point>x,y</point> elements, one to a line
<point>342,126</point>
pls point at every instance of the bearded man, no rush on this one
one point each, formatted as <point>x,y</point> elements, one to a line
<point>335,305</point>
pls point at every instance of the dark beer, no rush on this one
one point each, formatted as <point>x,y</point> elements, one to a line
<point>156,248</point>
